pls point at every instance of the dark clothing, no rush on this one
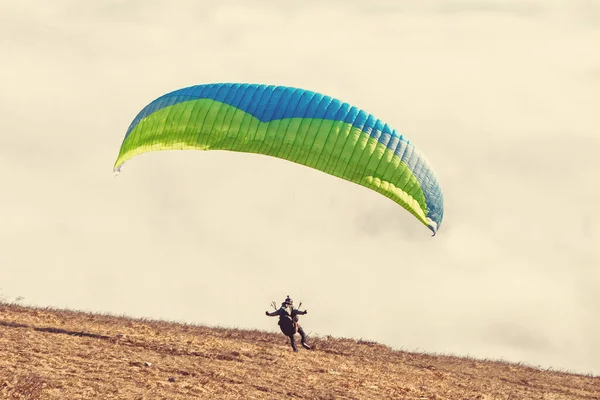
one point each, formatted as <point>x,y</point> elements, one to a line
<point>302,340</point>
<point>284,312</point>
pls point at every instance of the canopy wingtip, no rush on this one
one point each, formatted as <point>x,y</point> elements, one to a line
<point>117,169</point>
<point>433,227</point>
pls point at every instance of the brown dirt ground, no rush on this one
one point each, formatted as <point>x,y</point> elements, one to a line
<point>60,354</point>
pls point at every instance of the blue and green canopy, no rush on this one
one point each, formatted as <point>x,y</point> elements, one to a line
<point>293,124</point>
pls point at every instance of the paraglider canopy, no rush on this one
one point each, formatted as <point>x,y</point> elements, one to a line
<point>293,124</point>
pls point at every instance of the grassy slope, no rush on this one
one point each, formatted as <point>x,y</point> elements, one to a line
<point>59,354</point>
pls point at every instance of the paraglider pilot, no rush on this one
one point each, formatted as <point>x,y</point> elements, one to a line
<point>288,321</point>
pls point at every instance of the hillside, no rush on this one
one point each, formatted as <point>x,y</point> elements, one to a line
<point>60,354</point>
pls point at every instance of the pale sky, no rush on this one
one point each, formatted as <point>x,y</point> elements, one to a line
<point>501,96</point>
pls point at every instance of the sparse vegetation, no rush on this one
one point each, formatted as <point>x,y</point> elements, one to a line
<point>60,354</point>
<point>6,300</point>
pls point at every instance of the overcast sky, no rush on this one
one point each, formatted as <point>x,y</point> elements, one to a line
<point>501,96</point>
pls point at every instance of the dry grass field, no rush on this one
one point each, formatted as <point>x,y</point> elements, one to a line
<point>61,354</point>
